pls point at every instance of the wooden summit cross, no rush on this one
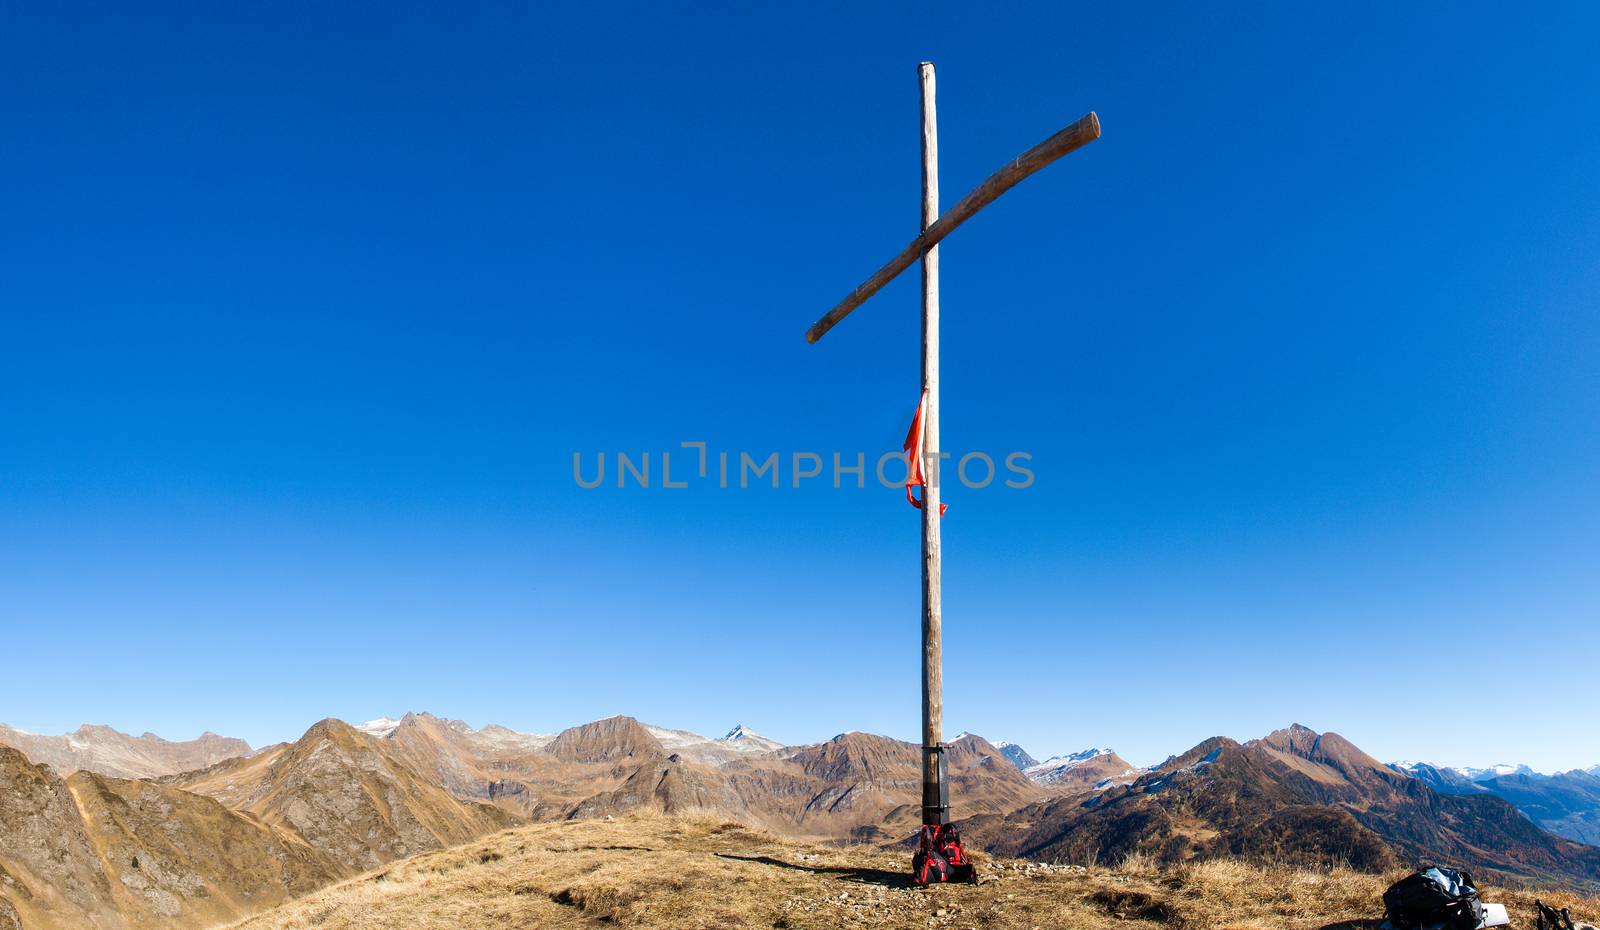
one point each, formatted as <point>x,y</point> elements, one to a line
<point>935,792</point>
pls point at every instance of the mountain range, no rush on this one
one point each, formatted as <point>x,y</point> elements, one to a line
<point>233,835</point>
<point>1296,796</point>
<point>1566,803</point>
<point>106,751</point>
<point>190,848</point>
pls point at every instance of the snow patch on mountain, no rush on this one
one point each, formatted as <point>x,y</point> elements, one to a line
<point>1431,773</point>
<point>492,736</point>
<point>502,738</point>
<point>1077,758</point>
<point>738,742</point>
<point>1056,768</point>
<point>1019,757</point>
<point>743,738</point>
<point>101,749</point>
<point>1493,771</point>
<point>380,727</point>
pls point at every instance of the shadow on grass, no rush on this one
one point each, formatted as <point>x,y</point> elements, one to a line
<point>1355,925</point>
<point>882,877</point>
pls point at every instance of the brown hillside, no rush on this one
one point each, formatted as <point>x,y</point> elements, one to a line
<point>345,795</point>
<point>671,785</point>
<point>107,853</point>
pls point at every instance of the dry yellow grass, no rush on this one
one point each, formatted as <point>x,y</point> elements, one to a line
<point>657,873</point>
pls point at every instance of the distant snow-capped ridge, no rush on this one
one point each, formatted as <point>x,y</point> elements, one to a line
<point>1076,759</point>
<point>492,736</point>
<point>1429,772</point>
<point>1019,757</point>
<point>106,751</point>
<point>738,743</point>
<point>1493,771</point>
<point>742,737</point>
<point>380,727</point>
<point>1060,768</point>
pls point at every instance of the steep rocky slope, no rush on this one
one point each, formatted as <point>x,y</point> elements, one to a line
<point>91,851</point>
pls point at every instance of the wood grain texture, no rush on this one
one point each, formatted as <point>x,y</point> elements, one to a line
<point>1068,140</point>
<point>932,613</point>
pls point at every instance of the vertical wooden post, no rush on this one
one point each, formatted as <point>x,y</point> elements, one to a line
<point>934,801</point>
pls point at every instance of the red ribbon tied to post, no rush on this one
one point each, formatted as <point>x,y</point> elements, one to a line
<point>913,449</point>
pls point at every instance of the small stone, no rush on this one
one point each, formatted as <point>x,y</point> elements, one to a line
<point>941,912</point>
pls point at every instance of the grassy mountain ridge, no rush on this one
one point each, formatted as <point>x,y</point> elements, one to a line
<point>658,873</point>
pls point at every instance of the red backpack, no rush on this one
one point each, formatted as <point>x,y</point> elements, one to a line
<point>940,858</point>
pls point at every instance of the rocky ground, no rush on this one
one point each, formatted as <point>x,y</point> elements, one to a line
<point>659,872</point>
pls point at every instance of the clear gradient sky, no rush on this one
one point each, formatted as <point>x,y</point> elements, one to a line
<point>305,310</point>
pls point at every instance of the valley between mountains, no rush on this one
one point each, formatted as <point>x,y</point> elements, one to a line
<point>106,831</point>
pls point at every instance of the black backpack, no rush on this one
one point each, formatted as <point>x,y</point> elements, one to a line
<point>1433,898</point>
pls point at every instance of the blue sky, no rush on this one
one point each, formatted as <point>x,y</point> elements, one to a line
<point>306,311</point>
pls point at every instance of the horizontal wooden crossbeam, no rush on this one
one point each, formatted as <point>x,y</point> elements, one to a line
<point>1074,137</point>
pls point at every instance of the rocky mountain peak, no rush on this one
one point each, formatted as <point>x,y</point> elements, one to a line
<point>1016,755</point>
<point>1206,752</point>
<point>608,740</point>
<point>744,738</point>
<point>1329,749</point>
<point>855,755</point>
<point>1297,739</point>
